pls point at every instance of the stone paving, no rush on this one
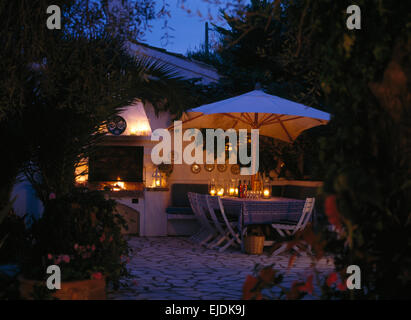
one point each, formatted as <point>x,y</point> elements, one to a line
<point>174,268</point>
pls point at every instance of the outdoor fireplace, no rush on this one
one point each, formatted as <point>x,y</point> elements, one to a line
<point>116,168</point>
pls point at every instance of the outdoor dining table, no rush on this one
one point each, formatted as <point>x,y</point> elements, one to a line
<point>262,211</point>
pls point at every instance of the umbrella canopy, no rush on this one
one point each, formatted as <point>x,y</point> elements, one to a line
<point>273,116</point>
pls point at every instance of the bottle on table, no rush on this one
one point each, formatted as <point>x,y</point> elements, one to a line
<point>245,189</point>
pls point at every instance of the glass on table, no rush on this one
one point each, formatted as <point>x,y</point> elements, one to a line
<point>232,188</point>
<point>212,187</point>
<point>219,188</point>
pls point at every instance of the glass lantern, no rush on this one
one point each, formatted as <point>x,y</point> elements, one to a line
<point>157,179</point>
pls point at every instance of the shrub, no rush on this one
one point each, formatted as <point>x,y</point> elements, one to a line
<point>80,232</point>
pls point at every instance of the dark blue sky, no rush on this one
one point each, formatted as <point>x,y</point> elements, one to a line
<point>188,30</point>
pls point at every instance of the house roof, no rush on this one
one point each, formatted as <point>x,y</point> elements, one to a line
<point>187,67</point>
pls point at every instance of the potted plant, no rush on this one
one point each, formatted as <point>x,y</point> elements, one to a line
<point>254,240</point>
<point>80,233</point>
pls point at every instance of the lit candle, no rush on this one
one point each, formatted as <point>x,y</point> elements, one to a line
<point>266,193</point>
<point>220,192</point>
<point>157,179</point>
<point>212,192</point>
<point>232,191</point>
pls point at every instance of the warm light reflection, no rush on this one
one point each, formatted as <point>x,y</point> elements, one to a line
<point>213,192</point>
<point>140,129</point>
<point>266,193</point>
<point>81,172</point>
<point>231,191</point>
<point>118,185</point>
<point>220,192</point>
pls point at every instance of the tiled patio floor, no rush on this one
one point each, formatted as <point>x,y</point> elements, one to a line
<point>175,268</point>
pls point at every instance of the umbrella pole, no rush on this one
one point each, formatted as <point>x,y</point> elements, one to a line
<point>254,177</point>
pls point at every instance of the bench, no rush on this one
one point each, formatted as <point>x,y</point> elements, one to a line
<point>180,206</point>
<point>181,220</point>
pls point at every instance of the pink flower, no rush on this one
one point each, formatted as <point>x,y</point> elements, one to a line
<point>49,256</point>
<point>97,276</point>
<point>103,237</point>
<point>66,258</point>
<point>93,247</point>
<point>52,196</point>
<point>76,246</point>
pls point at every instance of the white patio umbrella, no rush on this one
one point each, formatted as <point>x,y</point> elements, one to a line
<point>273,116</point>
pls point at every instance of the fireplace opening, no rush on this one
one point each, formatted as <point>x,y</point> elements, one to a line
<point>120,166</point>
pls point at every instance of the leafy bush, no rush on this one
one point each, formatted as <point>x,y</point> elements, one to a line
<point>12,230</point>
<point>365,79</point>
<point>80,232</point>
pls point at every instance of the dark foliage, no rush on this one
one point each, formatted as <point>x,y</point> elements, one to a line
<point>86,228</point>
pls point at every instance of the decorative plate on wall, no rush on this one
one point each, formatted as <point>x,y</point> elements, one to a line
<point>209,167</point>
<point>116,125</point>
<point>235,169</point>
<point>195,168</point>
<point>221,167</point>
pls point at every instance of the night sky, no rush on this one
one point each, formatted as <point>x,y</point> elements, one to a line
<point>188,32</point>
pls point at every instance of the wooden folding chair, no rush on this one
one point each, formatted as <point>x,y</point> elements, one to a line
<point>206,231</point>
<point>227,229</point>
<point>286,230</point>
<point>193,203</point>
<point>208,221</point>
